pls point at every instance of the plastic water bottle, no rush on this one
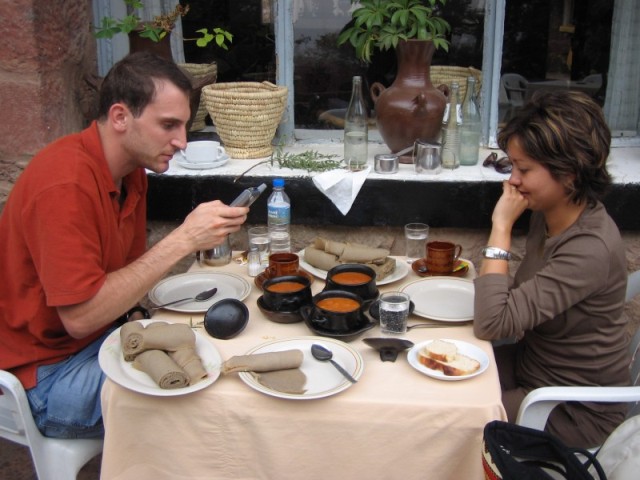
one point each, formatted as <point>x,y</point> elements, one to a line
<point>471,128</point>
<point>356,129</point>
<point>279,217</point>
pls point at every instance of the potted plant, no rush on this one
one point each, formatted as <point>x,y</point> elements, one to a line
<point>158,28</point>
<point>411,108</point>
<point>382,24</point>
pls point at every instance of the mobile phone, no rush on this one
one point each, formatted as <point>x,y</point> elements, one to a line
<point>248,196</point>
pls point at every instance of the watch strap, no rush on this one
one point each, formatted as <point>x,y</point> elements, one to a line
<point>495,253</point>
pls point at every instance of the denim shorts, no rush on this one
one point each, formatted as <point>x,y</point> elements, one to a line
<point>66,400</point>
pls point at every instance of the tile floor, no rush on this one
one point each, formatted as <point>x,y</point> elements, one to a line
<point>16,464</point>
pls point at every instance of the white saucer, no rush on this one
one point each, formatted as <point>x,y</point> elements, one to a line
<point>223,159</point>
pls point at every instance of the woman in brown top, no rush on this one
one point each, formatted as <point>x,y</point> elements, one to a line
<point>566,299</point>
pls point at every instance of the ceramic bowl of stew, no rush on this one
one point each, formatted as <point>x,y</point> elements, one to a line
<point>353,278</point>
<point>287,293</point>
<point>335,311</point>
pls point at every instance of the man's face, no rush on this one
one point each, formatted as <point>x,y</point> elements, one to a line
<point>161,129</point>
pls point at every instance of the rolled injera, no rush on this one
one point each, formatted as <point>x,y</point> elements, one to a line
<point>264,362</point>
<point>162,369</point>
<point>168,337</point>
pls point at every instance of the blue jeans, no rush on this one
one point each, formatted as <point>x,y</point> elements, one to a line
<point>66,400</point>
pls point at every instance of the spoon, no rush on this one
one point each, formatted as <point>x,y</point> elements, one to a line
<point>321,353</point>
<point>201,297</point>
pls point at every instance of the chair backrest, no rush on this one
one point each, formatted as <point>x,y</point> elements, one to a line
<point>593,79</point>
<point>515,86</point>
<point>53,458</point>
<point>633,285</point>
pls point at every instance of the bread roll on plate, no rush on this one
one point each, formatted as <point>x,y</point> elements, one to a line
<point>442,355</point>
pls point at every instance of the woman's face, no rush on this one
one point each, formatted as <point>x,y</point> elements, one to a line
<point>533,180</point>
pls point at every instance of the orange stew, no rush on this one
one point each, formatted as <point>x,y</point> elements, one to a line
<point>338,304</point>
<point>285,287</point>
<point>351,278</point>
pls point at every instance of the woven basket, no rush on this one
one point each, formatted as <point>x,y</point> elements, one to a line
<point>446,74</point>
<point>246,115</point>
<point>199,71</point>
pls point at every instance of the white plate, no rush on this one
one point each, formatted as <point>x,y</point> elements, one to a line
<point>442,298</point>
<point>222,160</point>
<point>190,284</point>
<point>114,366</point>
<point>323,379</point>
<point>464,348</point>
<point>401,271</point>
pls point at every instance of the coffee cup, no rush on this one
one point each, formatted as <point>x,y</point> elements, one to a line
<point>286,293</point>
<point>336,311</point>
<point>283,263</point>
<point>204,151</point>
<point>354,278</point>
<point>442,257</point>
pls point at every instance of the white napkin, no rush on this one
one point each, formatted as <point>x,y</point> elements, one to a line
<point>341,186</point>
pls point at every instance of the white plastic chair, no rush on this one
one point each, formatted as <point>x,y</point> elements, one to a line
<point>515,86</point>
<point>54,459</point>
<point>537,405</point>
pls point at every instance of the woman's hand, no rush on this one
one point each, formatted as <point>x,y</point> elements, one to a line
<point>509,207</point>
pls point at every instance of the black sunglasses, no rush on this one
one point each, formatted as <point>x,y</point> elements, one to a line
<point>502,164</point>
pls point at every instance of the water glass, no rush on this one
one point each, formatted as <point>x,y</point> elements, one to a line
<point>394,310</point>
<point>260,240</point>
<point>415,237</point>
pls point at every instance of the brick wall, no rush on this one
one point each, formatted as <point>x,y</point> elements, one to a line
<point>47,50</point>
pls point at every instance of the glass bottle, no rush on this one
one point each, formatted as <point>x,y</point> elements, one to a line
<point>356,133</point>
<point>451,130</point>
<point>470,130</point>
<point>279,217</point>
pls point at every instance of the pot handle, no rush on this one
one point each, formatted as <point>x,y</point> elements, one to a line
<point>444,88</point>
<point>376,89</point>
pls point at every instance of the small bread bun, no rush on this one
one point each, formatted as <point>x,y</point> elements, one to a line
<point>458,364</point>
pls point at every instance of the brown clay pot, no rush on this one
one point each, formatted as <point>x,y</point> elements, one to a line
<point>411,108</point>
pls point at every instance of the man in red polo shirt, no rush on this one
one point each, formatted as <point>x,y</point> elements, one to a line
<point>73,236</point>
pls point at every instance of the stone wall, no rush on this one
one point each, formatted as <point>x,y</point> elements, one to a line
<point>47,52</point>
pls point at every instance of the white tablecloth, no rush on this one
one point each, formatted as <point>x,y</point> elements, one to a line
<point>395,423</point>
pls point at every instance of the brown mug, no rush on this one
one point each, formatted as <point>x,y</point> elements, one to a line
<point>442,257</point>
<point>283,263</point>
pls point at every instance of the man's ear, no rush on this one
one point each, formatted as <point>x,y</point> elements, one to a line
<point>119,116</point>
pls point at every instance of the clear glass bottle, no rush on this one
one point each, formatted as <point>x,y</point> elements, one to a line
<point>279,217</point>
<point>470,130</point>
<point>451,130</point>
<point>356,132</point>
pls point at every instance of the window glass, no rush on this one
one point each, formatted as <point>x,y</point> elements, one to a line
<point>251,55</point>
<point>323,70</point>
<point>551,45</point>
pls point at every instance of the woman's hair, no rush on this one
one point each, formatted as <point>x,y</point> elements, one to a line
<point>566,132</point>
<point>132,81</point>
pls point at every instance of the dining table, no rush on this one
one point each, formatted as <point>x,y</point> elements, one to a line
<point>395,422</point>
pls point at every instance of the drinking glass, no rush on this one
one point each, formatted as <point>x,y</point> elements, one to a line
<point>394,310</point>
<point>260,240</point>
<point>415,237</point>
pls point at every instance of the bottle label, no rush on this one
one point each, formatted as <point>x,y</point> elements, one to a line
<point>279,214</point>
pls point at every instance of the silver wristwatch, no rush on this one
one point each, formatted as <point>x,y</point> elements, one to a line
<point>496,253</point>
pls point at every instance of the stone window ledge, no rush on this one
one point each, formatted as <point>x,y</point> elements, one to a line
<point>461,198</point>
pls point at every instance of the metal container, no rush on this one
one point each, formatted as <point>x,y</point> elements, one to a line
<point>386,163</point>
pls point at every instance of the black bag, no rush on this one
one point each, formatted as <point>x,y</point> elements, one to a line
<point>514,452</point>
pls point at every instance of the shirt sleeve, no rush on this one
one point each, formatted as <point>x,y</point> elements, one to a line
<point>574,270</point>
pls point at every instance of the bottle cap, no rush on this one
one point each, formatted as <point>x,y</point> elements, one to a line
<point>278,182</point>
